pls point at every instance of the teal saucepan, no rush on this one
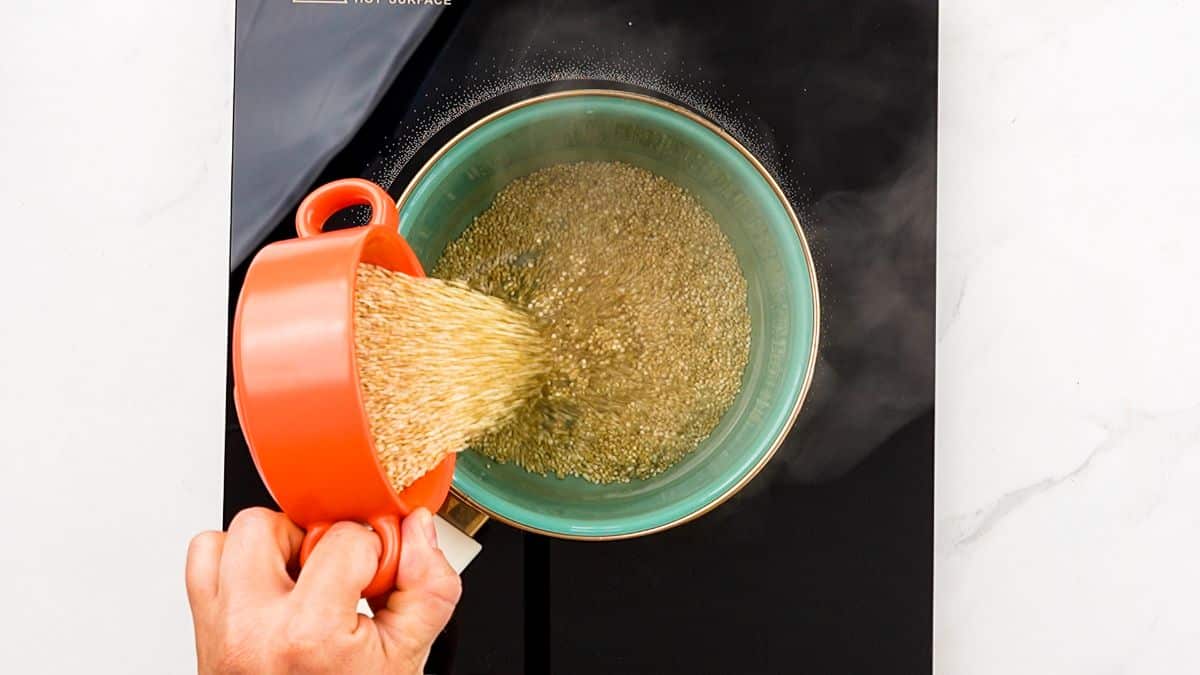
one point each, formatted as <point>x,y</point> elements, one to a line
<point>462,179</point>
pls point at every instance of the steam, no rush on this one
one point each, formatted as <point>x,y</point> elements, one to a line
<point>875,370</point>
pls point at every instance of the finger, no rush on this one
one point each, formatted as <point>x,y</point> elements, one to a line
<point>335,574</point>
<point>427,590</point>
<point>255,556</point>
<point>203,567</point>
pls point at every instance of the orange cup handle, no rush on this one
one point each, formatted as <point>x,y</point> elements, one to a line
<point>330,198</point>
<point>388,529</point>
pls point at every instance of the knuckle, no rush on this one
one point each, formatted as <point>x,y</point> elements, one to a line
<point>447,588</point>
<point>254,518</point>
<point>353,538</point>
<point>443,582</point>
<point>200,565</point>
<point>204,542</point>
<point>441,596</point>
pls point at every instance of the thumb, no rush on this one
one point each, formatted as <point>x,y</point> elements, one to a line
<point>427,589</point>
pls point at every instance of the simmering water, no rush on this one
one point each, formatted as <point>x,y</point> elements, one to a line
<point>643,307</point>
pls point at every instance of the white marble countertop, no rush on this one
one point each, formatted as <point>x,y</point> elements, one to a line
<point>1068,416</point>
<point>1068,412</point>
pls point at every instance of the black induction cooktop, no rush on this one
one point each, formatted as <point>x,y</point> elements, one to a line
<point>823,563</point>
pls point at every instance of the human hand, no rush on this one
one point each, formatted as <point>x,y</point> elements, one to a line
<point>251,617</point>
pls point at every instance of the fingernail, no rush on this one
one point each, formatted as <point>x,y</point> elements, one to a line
<point>428,528</point>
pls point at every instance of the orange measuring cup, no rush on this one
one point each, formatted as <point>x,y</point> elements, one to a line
<point>295,374</point>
